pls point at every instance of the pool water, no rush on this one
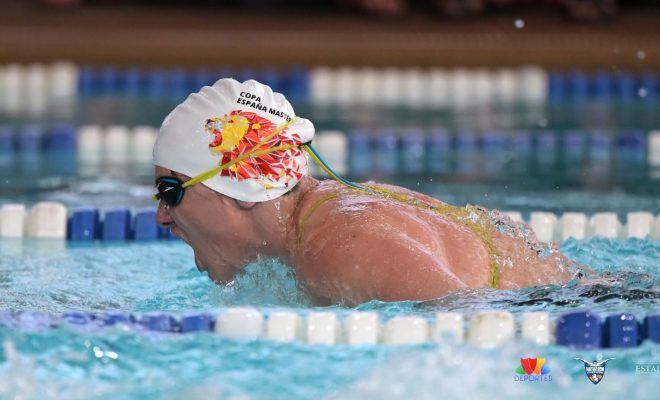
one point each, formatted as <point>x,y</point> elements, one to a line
<point>115,363</point>
<point>55,277</point>
<point>119,363</point>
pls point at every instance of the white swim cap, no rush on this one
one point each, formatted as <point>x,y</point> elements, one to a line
<point>226,121</point>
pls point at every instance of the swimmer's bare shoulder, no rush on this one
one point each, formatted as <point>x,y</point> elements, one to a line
<point>352,249</point>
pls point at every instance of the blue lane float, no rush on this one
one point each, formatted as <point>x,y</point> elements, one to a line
<point>386,154</point>
<point>116,224</point>
<point>196,323</point>
<point>547,149</point>
<point>649,87</point>
<point>621,330</point>
<point>145,226</point>
<point>413,151</point>
<point>602,86</point>
<point>625,88</point>
<point>600,146</point>
<point>494,146</point>
<point>296,81</point>
<point>179,84</point>
<point>7,140</point>
<point>157,84</point>
<point>651,328</point>
<point>116,317</point>
<point>160,322</point>
<point>272,78</point>
<point>578,83</point>
<point>29,140</point>
<point>557,90</point>
<point>580,329</point>
<point>574,151</point>
<point>630,147</point>
<point>359,156</point>
<point>493,142</point>
<point>86,84</point>
<point>135,82</point>
<point>439,151</point>
<point>61,137</point>
<point>201,78</point>
<point>110,80</point>
<point>467,152</point>
<point>84,224</point>
<point>574,146</point>
<point>78,318</point>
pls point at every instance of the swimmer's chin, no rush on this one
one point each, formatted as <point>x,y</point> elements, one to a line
<point>222,279</point>
<point>219,275</point>
<point>199,265</point>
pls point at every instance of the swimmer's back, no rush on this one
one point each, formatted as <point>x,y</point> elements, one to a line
<point>354,242</point>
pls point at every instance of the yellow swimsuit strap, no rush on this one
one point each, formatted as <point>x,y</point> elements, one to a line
<point>312,210</point>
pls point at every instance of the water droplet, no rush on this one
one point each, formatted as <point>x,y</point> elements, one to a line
<point>641,54</point>
<point>519,23</point>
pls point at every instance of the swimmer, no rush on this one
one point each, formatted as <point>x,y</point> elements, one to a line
<point>233,183</point>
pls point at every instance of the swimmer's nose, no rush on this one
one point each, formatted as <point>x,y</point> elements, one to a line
<point>163,217</point>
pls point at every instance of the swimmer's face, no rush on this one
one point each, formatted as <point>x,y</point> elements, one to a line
<point>213,225</point>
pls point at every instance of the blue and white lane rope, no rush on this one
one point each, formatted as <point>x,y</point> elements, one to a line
<point>51,220</point>
<point>486,329</point>
<point>37,89</point>
<point>408,151</point>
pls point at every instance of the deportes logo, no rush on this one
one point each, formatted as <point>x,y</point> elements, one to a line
<point>595,370</point>
<point>532,370</point>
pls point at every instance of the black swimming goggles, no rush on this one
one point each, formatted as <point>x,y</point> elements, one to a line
<point>170,190</point>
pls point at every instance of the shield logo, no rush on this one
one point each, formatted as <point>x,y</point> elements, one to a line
<point>595,370</point>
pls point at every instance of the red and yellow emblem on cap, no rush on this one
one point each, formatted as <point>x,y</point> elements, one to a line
<point>239,133</point>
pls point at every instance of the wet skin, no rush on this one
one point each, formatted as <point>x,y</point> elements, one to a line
<point>349,247</point>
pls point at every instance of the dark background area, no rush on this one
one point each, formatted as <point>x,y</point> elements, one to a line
<point>558,34</point>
